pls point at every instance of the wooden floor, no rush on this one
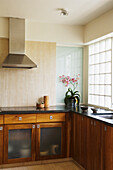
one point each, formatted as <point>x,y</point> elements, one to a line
<point>70,165</point>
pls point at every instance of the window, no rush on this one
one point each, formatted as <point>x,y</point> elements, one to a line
<point>68,63</point>
<point>100,73</point>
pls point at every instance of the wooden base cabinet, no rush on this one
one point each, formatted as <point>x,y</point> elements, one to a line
<point>1,144</point>
<point>93,144</point>
<point>19,143</point>
<point>50,140</point>
<point>80,139</point>
<point>107,147</point>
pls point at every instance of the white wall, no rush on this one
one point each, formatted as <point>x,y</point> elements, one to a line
<point>4,27</point>
<point>99,27</point>
<point>54,32</point>
<point>35,31</point>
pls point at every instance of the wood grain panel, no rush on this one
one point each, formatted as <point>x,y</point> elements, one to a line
<point>56,117</point>
<point>1,119</point>
<point>23,87</point>
<point>107,147</point>
<point>1,144</point>
<point>14,127</point>
<point>19,118</point>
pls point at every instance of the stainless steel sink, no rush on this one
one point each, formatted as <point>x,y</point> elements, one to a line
<point>106,116</point>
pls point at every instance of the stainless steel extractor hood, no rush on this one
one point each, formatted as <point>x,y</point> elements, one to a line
<point>17,57</point>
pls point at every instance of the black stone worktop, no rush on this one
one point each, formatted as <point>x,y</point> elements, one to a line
<point>59,109</point>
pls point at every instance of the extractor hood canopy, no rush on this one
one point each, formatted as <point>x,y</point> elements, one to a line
<point>17,57</point>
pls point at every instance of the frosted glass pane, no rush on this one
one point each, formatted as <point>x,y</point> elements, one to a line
<point>101,90</point>
<point>50,141</point>
<point>91,69</point>
<point>102,46</point>
<point>108,90</point>
<point>19,143</point>
<point>102,68</point>
<point>96,89</point>
<point>91,59</point>
<point>69,62</point>
<point>91,79</point>
<point>108,79</point>
<point>89,99</point>
<point>107,101</point>
<point>108,67</point>
<point>96,79</point>
<point>108,44</point>
<point>96,58</point>
<point>96,99</point>
<point>102,57</point>
<point>91,49</point>
<point>108,56</point>
<point>90,89</point>
<point>102,78</point>
<point>101,100</point>
<point>96,48</point>
<point>96,69</point>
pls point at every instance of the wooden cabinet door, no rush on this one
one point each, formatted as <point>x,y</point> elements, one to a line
<point>83,153</point>
<point>107,147</point>
<point>80,139</point>
<point>77,137</point>
<point>93,145</point>
<point>19,143</point>
<point>1,144</point>
<point>50,141</point>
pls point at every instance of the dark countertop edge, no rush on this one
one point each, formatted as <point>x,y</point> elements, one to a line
<point>63,110</point>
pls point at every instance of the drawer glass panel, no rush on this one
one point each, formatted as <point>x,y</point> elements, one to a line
<point>50,141</point>
<point>19,143</point>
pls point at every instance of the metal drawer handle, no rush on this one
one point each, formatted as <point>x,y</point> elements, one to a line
<point>1,128</point>
<point>33,126</point>
<point>51,117</point>
<point>91,122</point>
<point>94,123</point>
<point>20,118</point>
<point>105,128</point>
<point>38,126</point>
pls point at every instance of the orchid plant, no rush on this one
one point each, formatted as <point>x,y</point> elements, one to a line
<point>71,92</point>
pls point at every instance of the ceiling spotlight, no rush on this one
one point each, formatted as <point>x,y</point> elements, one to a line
<point>63,11</point>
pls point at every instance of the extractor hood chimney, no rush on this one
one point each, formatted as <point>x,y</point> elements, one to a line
<point>17,57</point>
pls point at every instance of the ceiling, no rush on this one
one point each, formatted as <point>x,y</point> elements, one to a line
<point>80,11</point>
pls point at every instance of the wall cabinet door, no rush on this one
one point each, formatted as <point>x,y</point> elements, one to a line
<point>93,144</point>
<point>50,140</point>
<point>1,144</point>
<point>80,139</point>
<point>107,147</point>
<point>19,143</point>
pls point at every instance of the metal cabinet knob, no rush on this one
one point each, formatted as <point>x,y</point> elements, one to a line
<point>20,118</point>
<point>91,122</point>
<point>105,128</point>
<point>33,126</point>
<point>38,126</point>
<point>51,117</point>
<point>82,118</point>
<point>94,123</point>
<point>1,128</point>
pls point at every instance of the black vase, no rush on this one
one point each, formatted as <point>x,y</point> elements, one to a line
<point>70,102</point>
